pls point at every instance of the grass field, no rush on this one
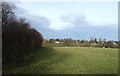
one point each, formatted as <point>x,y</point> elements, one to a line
<point>72,60</point>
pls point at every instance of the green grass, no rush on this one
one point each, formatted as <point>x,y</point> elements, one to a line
<point>71,60</point>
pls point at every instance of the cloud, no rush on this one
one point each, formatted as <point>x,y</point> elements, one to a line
<point>79,28</point>
<point>57,24</point>
<point>68,22</point>
<point>69,26</point>
<point>40,23</point>
<point>80,23</point>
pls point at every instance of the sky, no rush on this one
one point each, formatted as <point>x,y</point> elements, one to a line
<point>77,20</point>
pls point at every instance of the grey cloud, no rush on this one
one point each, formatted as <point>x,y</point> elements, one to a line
<point>78,20</point>
<point>80,24</point>
<point>81,27</point>
<point>38,22</point>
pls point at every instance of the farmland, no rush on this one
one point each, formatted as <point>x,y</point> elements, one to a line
<point>71,60</point>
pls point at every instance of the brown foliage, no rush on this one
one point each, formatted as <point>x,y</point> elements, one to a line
<point>18,39</point>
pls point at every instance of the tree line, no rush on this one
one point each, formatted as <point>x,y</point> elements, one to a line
<point>18,38</point>
<point>69,42</point>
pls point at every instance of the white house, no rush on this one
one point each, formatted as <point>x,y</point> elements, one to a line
<point>57,42</point>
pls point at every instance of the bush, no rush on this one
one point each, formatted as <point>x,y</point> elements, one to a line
<point>18,38</point>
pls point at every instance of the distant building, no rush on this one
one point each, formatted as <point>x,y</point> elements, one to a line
<point>57,42</point>
<point>114,43</point>
<point>102,42</point>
